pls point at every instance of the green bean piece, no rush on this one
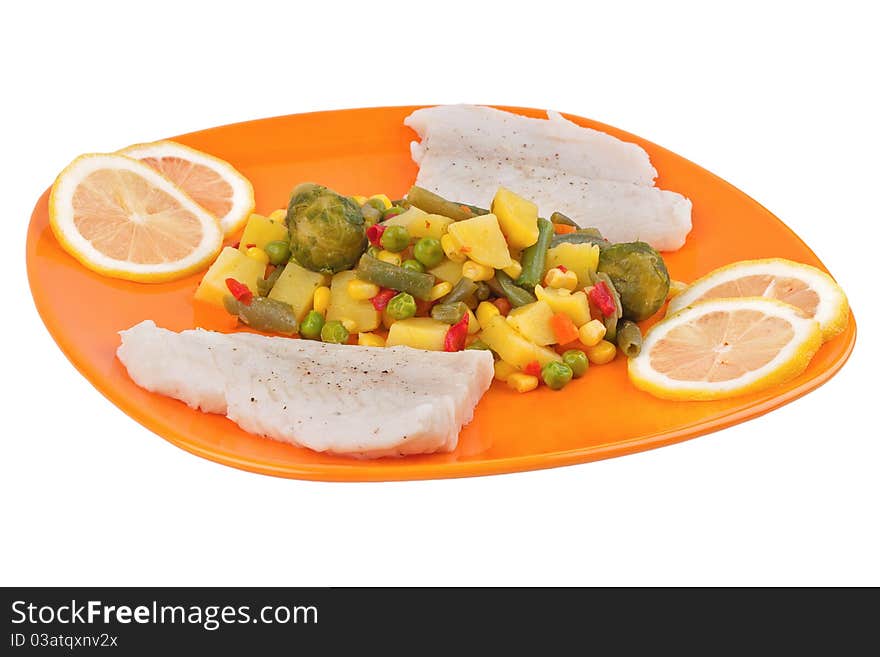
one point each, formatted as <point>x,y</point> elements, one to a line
<point>263,314</point>
<point>449,313</point>
<point>401,203</point>
<point>464,288</point>
<point>478,344</point>
<point>401,306</point>
<point>397,278</point>
<point>582,236</point>
<point>334,331</point>
<point>264,286</point>
<point>610,328</point>
<point>434,204</point>
<point>495,287</point>
<point>278,252</point>
<point>376,204</point>
<point>577,361</point>
<point>395,239</point>
<point>516,295</point>
<point>605,278</point>
<point>372,214</point>
<point>556,375</point>
<point>535,257</point>
<point>393,211</point>
<point>428,251</point>
<point>559,218</point>
<point>629,338</point>
<point>311,325</point>
<point>413,265</point>
<point>483,291</point>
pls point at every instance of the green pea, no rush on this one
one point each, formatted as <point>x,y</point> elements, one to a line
<point>413,265</point>
<point>395,239</point>
<point>577,361</point>
<point>311,325</point>
<point>428,251</point>
<point>278,252</point>
<point>402,306</point>
<point>556,375</point>
<point>334,331</point>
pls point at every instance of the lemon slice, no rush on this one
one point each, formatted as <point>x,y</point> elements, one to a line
<point>811,290</point>
<point>211,182</point>
<point>121,218</point>
<point>725,347</point>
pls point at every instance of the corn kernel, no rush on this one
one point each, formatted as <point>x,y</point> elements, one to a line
<point>522,382</point>
<point>440,290</point>
<point>349,324</point>
<point>676,288</point>
<point>361,290</point>
<point>321,299</point>
<point>370,340</point>
<point>360,200</point>
<point>591,333</point>
<point>385,200</point>
<point>477,272</point>
<point>389,257</point>
<point>278,216</point>
<point>602,353</point>
<point>257,253</point>
<point>558,279</point>
<point>451,248</point>
<point>473,323</point>
<point>486,311</point>
<point>503,370</point>
<point>514,269</point>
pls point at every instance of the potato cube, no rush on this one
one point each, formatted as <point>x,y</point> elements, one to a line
<point>481,240</point>
<point>421,224</point>
<point>579,258</point>
<point>296,286</point>
<point>573,304</point>
<point>518,218</point>
<point>503,339</point>
<point>532,321</point>
<point>231,263</point>
<point>342,306</point>
<point>419,333</point>
<point>261,230</point>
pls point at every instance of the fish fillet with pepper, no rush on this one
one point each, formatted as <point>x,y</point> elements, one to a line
<point>359,401</point>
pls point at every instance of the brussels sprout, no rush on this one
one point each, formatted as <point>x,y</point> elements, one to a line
<point>639,276</point>
<point>327,232</point>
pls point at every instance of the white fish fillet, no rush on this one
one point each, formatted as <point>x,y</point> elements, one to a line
<point>359,401</point>
<point>466,152</point>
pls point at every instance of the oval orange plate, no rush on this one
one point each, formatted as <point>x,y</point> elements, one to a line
<point>366,151</point>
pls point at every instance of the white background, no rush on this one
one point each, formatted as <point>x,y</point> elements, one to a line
<point>780,102</point>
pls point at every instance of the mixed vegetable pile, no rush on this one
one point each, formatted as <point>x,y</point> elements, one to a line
<point>546,297</point>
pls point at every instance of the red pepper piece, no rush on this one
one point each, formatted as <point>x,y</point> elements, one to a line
<point>562,268</point>
<point>374,234</point>
<point>456,336</point>
<point>250,245</point>
<point>240,291</point>
<point>533,368</point>
<point>602,297</point>
<point>380,301</point>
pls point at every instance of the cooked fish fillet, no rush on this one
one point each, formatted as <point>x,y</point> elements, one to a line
<point>467,152</point>
<point>474,132</point>
<point>359,401</point>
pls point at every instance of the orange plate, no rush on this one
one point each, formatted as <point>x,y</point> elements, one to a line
<point>365,151</point>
